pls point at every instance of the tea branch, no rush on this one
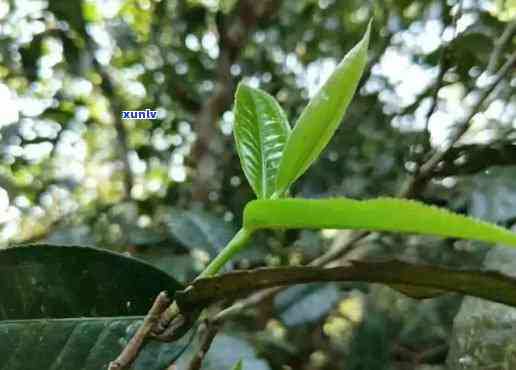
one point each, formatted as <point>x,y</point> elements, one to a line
<point>210,331</point>
<point>109,90</point>
<point>132,349</point>
<point>500,45</point>
<point>463,126</point>
<point>476,158</point>
<point>419,280</point>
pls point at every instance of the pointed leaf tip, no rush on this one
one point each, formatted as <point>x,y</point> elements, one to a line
<point>322,115</point>
<point>238,365</point>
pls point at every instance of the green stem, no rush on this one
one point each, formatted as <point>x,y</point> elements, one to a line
<point>233,247</point>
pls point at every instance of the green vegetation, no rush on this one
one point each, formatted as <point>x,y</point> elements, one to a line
<point>378,183</point>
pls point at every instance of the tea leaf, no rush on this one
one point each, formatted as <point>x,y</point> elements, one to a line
<point>49,281</point>
<point>261,131</point>
<point>70,307</point>
<point>382,214</point>
<point>322,116</point>
<point>238,366</point>
<point>79,343</point>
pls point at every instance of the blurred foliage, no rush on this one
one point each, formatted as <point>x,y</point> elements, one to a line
<point>171,190</point>
<point>225,351</point>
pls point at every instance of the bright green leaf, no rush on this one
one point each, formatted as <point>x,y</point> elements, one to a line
<point>238,365</point>
<point>322,116</point>
<point>382,214</point>
<point>261,131</point>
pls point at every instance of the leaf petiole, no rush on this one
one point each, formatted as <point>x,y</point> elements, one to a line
<point>233,247</point>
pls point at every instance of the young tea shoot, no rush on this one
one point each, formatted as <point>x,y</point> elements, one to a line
<point>273,157</point>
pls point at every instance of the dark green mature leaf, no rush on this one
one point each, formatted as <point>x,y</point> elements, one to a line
<point>52,295</point>
<point>305,304</point>
<point>322,116</point>
<point>86,344</point>
<point>261,131</point>
<point>45,281</point>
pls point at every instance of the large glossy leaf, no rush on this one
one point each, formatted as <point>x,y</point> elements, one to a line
<point>261,131</point>
<point>68,307</point>
<point>80,343</point>
<point>382,214</point>
<point>322,116</point>
<point>43,281</point>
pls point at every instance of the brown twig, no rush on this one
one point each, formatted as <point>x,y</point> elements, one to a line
<point>108,89</point>
<point>211,329</point>
<point>246,303</point>
<point>476,158</point>
<point>465,124</point>
<point>417,279</point>
<point>132,349</point>
<point>500,45</point>
<point>337,249</point>
<point>444,65</point>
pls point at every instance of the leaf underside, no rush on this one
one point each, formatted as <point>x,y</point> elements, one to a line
<point>261,131</point>
<point>382,214</point>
